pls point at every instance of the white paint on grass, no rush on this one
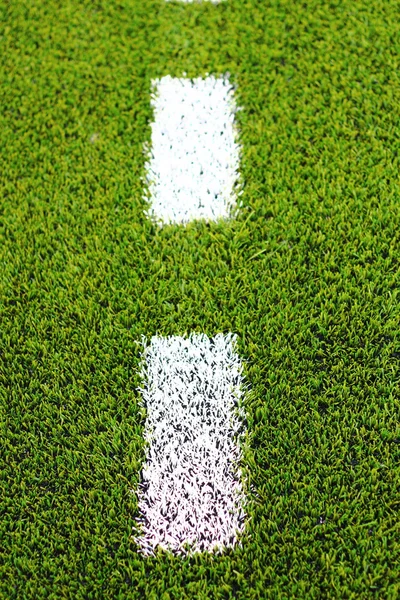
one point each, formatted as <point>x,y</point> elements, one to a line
<point>192,170</point>
<point>191,491</point>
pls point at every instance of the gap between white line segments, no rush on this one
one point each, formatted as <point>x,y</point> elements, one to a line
<point>191,497</point>
<point>192,169</point>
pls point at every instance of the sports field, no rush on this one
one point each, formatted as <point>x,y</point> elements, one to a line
<point>305,274</point>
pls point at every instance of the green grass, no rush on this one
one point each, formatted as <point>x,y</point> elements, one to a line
<point>307,276</point>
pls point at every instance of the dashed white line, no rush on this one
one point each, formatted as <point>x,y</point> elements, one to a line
<point>192,169</point>
<point>191,496</point>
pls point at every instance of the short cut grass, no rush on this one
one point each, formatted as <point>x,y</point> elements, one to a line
<point>307,275</point>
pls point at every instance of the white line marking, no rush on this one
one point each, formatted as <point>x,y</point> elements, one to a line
<point>193,167</point>
<point>191,491</point>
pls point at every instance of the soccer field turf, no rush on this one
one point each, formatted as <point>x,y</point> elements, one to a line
<point>306,275</point>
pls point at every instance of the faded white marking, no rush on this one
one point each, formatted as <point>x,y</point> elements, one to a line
<point>192,170</point>
<point>191,491</point>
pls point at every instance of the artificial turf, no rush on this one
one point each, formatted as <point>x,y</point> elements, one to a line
<point>307,275</point>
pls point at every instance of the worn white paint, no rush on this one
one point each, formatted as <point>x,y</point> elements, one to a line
<point>192,169</point>
<point>191,491</point>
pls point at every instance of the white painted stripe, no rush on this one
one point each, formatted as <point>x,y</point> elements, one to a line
<point>193,167</point>
<point>191,490</point>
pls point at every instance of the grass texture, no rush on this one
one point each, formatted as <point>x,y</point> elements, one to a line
<point>307,276</point>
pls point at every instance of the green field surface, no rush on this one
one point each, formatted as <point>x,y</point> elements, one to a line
<point>307,276</point>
